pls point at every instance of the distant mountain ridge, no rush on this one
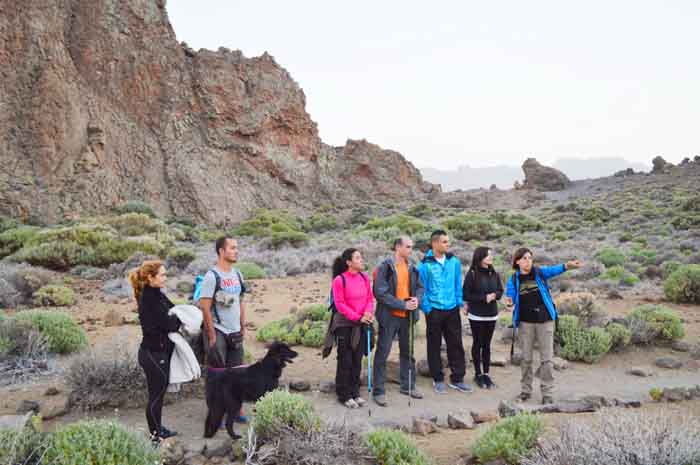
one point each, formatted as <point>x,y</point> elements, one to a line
<point>467,177</point>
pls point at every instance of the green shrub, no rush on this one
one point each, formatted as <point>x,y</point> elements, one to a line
<point>279,409</point>
<point>578,343</point>
<point>273,331</point>
<point>7,223</point>
<point>509,439</point>
<point>315,335</point>
<point>136,224</point>
<point>656,394</point>
<point>309,329</point>
<point>683,285</point>
<point>644,256</point>
<point>99,442</point>
<point>320,223</point>
<point>56,255</point>
<point>686,221</point>
<point>63,334</point>
<point>264,223</point>
<point>54,296</point>
<point>669,267</point>
<point>421,210</point>
<point>394,448</point>
<point>181,257</point>
<point>619,274</point>
<point>517,221</point>
<point>316,312</point>
<point>24,447</point>
<point>293,238</point>
<point>251,270</point>
<point>611,257</point>
<point>14,239</point>
<point>596,214</point>
<point>21,339</point>
<point>654,323</point>
<point>620,336</point>
<point>135,207</point>
<point>468,227</point>
<point>629,279</point>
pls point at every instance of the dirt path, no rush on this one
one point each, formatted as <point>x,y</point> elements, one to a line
<point>272,299</point>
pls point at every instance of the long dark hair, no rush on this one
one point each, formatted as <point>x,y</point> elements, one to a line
<point>479,254</point>
<point>340,264</point>
<point>520,253</point>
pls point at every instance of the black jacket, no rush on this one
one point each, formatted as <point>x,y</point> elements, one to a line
<point>155,321</point>
<point>478,283</point>
<point>384,289</point>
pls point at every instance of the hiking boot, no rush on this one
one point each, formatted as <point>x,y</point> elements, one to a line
<point>524,396</point>
<point>165,433</point>
<point>489,382</point>
<point>461,387</point>
<point>547,400</point>
<point>360,401</point>
<point>380,399</point>
<point>439,387</point>
<point>480,381</point>
<point>414,394</point>
<point>350,403</point>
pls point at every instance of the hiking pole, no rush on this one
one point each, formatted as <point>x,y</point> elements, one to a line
<point>410,356</point>
<point>369,370</point>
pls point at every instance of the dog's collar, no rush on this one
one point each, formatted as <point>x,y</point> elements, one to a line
<point>215,369</point>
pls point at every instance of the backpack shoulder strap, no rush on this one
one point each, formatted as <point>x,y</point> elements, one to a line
<point>244,289</point>
<point>217,288</point>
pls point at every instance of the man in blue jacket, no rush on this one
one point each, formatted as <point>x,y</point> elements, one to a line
<point>441,273</point>
<point>534,314</point>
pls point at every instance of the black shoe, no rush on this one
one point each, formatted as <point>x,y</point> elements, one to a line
<point>547,400</point>
<point>524,396</point>
<point>480,381</point>
<point>165,433</point>
<point>489,382</point>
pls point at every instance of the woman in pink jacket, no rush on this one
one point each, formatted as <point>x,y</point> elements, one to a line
<point>354,304</point>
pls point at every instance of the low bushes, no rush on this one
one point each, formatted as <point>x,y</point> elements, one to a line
<point>683,285</point>
<point>14,239</point>
<point>468,227</point>
<point>580,343</point>
<point>21,340</point>
<point>624,438</point>
<point>251,270</point>
<point>394,448</point>
<point>510,439</point>
<point>25,447</point>
<point>654,324</point>
<point>611,257</point>
<point>135,207</point>
<point>620,336</point>
<point>277,410</point>
<point>62,333</point>
<point>99,442</point>
<point>53,295</point>
<point>308,328</point>
<point>116,380</point>
<point>180,257</point>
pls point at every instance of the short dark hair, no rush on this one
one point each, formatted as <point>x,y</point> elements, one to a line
<point>520,253</point>
<point>221,243</point>
<point>437,234</point>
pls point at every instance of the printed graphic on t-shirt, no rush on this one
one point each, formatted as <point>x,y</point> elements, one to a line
<point>227,318</point>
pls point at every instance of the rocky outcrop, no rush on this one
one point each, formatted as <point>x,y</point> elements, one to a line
<point>543,178</point>
<point>659,165</point>
<point>102,105</point>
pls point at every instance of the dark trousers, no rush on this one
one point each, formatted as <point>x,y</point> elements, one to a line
<point>156,365</point>
<point>227,356</point>
<point>482,333</point>
<point>347,374</point>
<point>393,325</point>
<point>447,323</point>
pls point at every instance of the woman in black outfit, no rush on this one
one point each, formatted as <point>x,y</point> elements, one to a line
<point>156,349</point>
<point>482,288</point>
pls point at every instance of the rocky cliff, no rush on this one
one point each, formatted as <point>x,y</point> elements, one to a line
<point>101,105</point>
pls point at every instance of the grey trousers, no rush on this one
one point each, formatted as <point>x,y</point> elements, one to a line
<point>230,357</point>
<point>387,332</point>
<point>543,335</point>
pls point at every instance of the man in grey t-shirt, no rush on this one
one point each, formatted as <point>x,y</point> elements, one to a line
<point>223,308</point>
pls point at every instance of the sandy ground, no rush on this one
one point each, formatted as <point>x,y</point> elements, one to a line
<point>273,299</point>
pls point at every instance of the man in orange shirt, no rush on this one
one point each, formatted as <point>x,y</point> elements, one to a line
<point>398,291</point>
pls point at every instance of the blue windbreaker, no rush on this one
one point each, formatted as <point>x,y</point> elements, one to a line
<point>443,288</point>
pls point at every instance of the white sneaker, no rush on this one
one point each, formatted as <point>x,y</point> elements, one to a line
<point>360,401</point>
<point>350,403</point>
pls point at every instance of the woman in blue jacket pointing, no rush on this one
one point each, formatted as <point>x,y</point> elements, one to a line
<point>534,315</point>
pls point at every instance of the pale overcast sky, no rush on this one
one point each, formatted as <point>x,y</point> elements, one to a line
<point>479,83</point>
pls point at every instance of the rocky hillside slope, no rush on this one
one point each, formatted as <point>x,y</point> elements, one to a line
<point>101,105</point>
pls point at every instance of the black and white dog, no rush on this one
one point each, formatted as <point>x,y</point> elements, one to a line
<point>227,388</point>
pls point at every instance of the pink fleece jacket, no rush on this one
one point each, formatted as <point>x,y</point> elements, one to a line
<point>356,298</point>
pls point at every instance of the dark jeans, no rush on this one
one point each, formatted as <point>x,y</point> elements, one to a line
<point>347,374</point>
<point>447,323</point>
<point>482,332</point>
<point>156,365</point>
<point>392,326</point>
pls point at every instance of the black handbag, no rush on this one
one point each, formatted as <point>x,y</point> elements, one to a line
<point>234,341</point>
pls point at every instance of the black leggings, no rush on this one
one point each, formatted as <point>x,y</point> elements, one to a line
<point>482,332</point>
<point>156,365</point>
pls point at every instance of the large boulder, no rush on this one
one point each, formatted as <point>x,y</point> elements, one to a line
<point>659,165</point>
<point>543,178</point>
